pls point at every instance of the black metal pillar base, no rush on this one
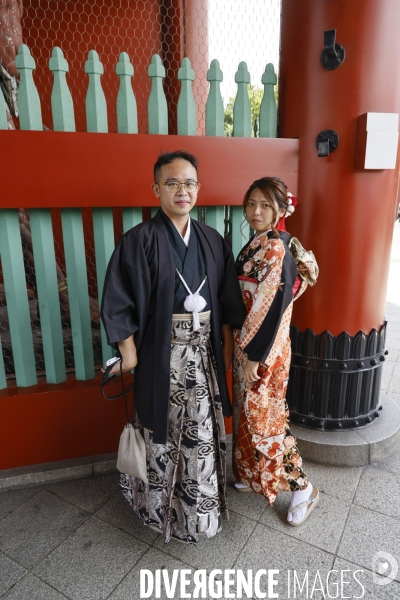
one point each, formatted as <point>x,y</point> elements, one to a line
<point>334,382</point>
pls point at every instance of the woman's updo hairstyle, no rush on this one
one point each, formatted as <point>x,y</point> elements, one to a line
<point>272,188</point>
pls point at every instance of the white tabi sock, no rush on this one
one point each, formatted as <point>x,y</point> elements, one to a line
<point>240,486</point>
<point>297,498</point>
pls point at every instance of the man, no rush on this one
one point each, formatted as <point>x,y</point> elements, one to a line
<point>170,299</point>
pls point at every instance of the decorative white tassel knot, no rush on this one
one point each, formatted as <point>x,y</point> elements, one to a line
<point>194,303</point>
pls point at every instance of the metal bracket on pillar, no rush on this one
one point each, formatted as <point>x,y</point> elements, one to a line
<point>333,54</point>
<point>326,142</point>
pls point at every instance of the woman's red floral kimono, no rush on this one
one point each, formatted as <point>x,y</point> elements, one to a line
<point>265,453</point>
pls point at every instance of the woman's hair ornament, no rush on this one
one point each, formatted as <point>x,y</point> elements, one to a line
<point>291,206</point>
<point>292,203</point>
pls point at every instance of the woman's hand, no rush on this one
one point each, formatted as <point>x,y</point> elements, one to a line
<point>250,371</point>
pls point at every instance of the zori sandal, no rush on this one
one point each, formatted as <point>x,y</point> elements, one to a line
<point>240,487</point>
<point>308,505</point>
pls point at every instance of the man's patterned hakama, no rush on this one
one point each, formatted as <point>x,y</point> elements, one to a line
<point>265,454</point>
<point>185,495</point>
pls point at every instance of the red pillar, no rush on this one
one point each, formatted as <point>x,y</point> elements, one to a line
<point>184,30</point>
<point>345,215</point>
<point>173,50</point>
<point>196,49</point>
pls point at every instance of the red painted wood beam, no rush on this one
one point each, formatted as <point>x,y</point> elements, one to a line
<point>63,421</point>
<point>54,169</point>
<point>58,422</point>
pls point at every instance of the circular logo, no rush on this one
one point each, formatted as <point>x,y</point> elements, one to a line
<point>384,567</point>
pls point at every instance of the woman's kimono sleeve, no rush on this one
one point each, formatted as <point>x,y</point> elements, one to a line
<point>270,299</point>
<point>126,292</point>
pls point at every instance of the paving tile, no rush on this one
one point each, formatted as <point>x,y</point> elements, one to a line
<point>322,529</point>
<point>271,549</point>
<point>91,562</point>
<point>339,482</point>
<point>393,356</point>
<point>89,494</point>
<point>366,533</point>
<point>383,436</point>
<point>221,550</point>
<point>31,588</point>
<point>380,491</point>
<point>34,529</point>
<point>392,321</point>
<point>392,309</point>
<point>9,501</point>
<point>392,465</point>
<point>366,587</point>
<point>392,315</point>
<point>396,367</point>
<point>250,505</point>
<point>388,367</point>
<point>392,336</point>
<point>387,375</point>
<point>10,573</point>
<point>153,559</point>
<point>393,342</point>
<point>120,514</point>
<point>395,397</point>
<point>394,385</point>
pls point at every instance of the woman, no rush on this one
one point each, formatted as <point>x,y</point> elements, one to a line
<point>265,454</point>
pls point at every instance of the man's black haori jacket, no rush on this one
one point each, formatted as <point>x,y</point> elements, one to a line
<point>138,298</point>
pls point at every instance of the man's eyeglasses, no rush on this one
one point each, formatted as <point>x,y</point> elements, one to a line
<point>175,186</point>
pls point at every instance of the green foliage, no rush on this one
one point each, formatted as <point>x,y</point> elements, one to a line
<point>255,96</point>
<point>228,117</point>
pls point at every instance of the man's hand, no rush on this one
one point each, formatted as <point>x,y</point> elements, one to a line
<point>250,371</point>
<point>116,369</point>
<point>129,357</point>
<point>227,345</point>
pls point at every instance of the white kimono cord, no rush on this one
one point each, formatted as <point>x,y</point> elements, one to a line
<point>194,303</point>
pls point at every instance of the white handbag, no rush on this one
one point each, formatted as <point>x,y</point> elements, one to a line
<point>132,448</point>
<point>132,453</point>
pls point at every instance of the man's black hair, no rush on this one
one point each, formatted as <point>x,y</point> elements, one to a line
<point>168,157</point>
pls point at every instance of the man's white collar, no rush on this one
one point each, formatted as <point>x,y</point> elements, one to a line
<point>186,237</point>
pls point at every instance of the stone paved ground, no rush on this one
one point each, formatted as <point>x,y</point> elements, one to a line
<point>79,540</point>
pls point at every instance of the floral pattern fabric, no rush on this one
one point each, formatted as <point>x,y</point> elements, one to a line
<point>307,267</point>
<point>185,496</point>
<point>265,453</point>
